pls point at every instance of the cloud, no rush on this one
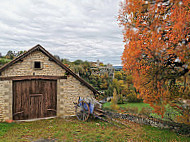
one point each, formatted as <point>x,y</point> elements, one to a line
<point>72,29</point>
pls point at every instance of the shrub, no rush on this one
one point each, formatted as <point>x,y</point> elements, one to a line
<point>146,111</point>
<point>185,118</point>
<point>114,100</point>
<point>133,98</point>
<point>171,114</point>
<point>114,106</point>
<point>184,130</point>
<point>132,110</point>
<point>3,61</point>
<point>120,100</point>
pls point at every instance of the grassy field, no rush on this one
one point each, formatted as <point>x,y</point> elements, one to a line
<point>91,131</point>
<point>136,108</point>
<point>132,105</point>
<point>4,127</point>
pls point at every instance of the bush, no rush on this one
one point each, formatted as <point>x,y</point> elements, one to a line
<point>120,100</point>
<point>132,110</point>
<point>115,107</point>
<point>171,114</point>
<point>184,130</point>
<point>146,111</point>
<point>114,100</point>
<point>132,98</point>
<point>3,61</point>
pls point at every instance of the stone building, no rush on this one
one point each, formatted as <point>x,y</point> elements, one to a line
<point>37,85</point>
<point>98,68</point>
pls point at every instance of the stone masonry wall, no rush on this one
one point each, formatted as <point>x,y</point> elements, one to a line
<point>68,92</point>
<point>180,128</point>
<point>5,100</point>
<point>26,67</point>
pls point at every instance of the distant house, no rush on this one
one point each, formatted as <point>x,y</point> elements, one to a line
<point>99,68</point>
<point>37,85</point>
<point>96,64</point>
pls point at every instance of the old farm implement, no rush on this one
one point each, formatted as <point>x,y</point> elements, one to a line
<point>87,107</point>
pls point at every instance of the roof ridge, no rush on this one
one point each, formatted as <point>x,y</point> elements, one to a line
<point>39,47</point>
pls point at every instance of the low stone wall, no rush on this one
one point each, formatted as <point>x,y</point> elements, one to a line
<point>177,127</point>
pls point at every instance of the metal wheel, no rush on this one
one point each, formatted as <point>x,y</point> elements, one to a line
<point>82,111</point>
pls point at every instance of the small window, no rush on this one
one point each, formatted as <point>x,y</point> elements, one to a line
<point>37,65</point>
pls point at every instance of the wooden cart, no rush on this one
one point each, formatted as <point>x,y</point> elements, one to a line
<point>84,109</point>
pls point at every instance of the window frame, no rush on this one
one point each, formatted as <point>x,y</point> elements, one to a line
<point>34,65</point>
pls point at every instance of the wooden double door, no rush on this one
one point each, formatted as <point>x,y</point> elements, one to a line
<point>34,99</point>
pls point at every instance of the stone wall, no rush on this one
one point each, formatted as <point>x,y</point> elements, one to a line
<point>68,92</point>
<point>177,127</point>
<point>5,100</point>
<point>26,67</point>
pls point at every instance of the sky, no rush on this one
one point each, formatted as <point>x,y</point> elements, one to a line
<point>72,29</point>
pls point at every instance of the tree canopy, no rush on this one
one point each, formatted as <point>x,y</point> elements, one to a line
<point>157,52</point>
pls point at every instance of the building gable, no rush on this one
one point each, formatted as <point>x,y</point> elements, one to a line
<point>24,65</point>
<point>27,66</point>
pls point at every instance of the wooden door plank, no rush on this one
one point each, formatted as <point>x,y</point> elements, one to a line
<point>36,107</point>
<point>35,95</point>
<point>34,99</point>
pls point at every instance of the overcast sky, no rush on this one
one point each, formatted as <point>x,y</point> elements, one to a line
<point>72,29</point>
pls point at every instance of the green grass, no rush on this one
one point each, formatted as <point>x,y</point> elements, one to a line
<point>74,130</point>
<point>153,134</point>
<point>138,105</point>
<point>4,127</point>
<point>60,129</point>
<point>170,114</point>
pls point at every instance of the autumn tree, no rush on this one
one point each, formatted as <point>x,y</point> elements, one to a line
<point>157,53</point>
<point>114,100</point>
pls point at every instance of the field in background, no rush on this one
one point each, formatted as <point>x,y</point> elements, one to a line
<point>145,109</point>
<point>131,105</point>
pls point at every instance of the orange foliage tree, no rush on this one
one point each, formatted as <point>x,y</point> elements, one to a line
<point>157,52</point>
